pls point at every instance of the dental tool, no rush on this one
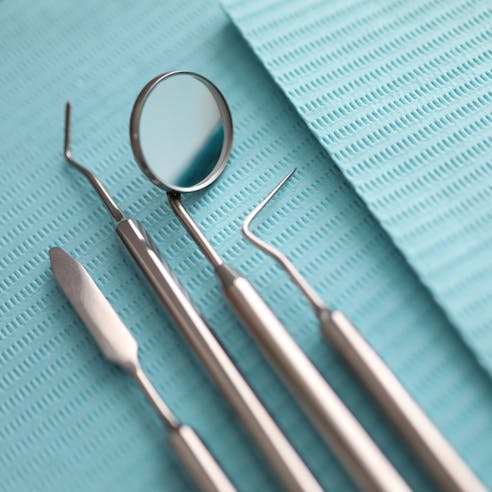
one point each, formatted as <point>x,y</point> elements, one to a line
<point>181,134</point>
<point>119,346</point>
<point>288,466</point>
<point>431,448</point>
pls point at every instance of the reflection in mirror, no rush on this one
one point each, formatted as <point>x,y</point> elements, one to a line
<point>181,131</point>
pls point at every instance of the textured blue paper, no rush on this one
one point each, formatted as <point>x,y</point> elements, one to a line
<point>70,421</point>
<point>400,94</point>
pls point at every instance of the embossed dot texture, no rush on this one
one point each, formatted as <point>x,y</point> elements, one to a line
<point>71,421</point>
<point>400,94</point>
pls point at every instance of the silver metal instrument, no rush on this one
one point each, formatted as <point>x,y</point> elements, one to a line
<point>181,134</point>
<point>436,454</point>
<point>279,453</point>
<point>120,347</point>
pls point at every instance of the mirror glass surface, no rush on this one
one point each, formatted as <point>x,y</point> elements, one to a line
<point>181,132</point>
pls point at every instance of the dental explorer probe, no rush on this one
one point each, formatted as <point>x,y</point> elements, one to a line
<point>431,448</point>
<point>181,133</point>
<point>351,444</point>
<point>288,466</point>
<point>119,346</point>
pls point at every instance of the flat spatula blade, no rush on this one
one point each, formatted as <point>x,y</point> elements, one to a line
<point>110,333</point>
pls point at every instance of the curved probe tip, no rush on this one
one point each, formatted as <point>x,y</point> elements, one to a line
<point>108,201</point>
<point>289,267</point>
<point>66,148</point>
<point>261,205</point>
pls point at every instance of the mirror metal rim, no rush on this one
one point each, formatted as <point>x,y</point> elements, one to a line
<point>226,119</point>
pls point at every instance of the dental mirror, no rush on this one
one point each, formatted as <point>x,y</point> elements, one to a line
<point>181,134</point>
<point>181,131</point>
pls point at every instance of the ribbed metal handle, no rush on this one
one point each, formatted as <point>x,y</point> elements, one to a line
<point>442,461</point>
<point>201,465</point>
<point>282,457</point>
<point>349,441</point>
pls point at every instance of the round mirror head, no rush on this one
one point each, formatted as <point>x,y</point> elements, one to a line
<point>181,131</point>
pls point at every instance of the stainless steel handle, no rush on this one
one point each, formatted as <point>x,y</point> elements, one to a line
<point>197,459</point>
<point>282,457</point>
<point>193,453</point>
<point>423,436</point>
<point>349,441</point>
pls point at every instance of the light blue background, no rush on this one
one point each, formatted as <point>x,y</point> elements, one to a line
<point>400,93</point>
<point>70,421</point>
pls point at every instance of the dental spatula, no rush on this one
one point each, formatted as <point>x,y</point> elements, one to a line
<point>442,462</point>
<point>120,347</point>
